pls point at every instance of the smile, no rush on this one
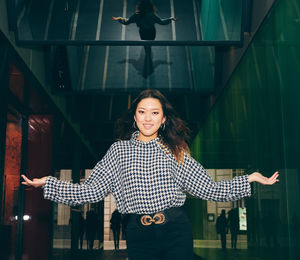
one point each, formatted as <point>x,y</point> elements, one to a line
<point>147,126</point>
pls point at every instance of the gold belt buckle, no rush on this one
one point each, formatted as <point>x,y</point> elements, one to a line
<point>158,218</point>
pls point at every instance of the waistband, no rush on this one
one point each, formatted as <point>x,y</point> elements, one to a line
<point>158,218</point>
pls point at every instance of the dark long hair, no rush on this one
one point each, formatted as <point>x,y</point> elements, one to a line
<point>145,6</point>
<point>174,135</point>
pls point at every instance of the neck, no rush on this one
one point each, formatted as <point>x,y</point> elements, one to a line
<point>145,138</point>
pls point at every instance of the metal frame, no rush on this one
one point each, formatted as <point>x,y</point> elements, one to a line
<point>3,108</point>
<point>14,17</point>
<point>131,43</point>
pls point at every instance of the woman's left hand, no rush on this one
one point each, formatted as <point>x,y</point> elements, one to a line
<point>258,177</point>
<point>116,18</point>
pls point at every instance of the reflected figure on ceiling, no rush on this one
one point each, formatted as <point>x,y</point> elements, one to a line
<point>145,18</point>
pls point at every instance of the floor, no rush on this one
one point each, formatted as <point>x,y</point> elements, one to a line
<point>202,254</point>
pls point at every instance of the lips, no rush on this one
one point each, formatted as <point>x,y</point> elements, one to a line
<point>147,126</point>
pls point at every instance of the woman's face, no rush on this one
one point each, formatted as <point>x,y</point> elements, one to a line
<point>149,117</point>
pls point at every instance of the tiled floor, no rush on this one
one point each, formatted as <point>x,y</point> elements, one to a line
<point>202,254</point>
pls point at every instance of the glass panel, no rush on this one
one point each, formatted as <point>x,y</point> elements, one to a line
<point>88,218</point>
<point>255,126</point>
<point>169,68</point>
<point>16,82</point>
<point>91,21</point>
<point>11,181</point>
<point>37,211</point>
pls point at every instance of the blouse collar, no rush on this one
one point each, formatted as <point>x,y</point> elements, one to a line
<point>140,143</point>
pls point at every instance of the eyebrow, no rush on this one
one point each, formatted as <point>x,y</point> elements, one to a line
<point>150,109</point>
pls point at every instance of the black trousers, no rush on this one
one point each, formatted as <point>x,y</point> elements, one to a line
<point>147,34</point>
<point>169,241</point>
<point>223,240</point>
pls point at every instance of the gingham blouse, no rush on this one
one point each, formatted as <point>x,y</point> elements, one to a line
<point>145,178</point>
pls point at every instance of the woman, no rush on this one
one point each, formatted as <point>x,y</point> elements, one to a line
<point>145,18</point>
<point>148,172</point>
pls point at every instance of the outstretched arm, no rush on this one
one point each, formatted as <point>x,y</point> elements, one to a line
<point>125,21</point>
<point>193,178</point>
<point>92,190</point>
<point>164,21</point>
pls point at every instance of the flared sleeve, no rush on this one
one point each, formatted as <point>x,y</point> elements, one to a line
<point>92,190</point>
<point>193,178</point>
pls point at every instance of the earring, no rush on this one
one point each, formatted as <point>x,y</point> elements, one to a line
<point>134,125</point>
<point>163,126</point>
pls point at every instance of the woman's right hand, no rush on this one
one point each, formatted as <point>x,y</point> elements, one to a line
<point>36,183</point>
<point>116,18</point>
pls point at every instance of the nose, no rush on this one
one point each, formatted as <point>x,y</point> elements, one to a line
<point>148,117</point>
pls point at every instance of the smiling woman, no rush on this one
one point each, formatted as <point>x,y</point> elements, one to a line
<point>148,172</point>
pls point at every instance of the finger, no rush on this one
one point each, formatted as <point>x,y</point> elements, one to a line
<point>25,178</point>
<point>276,174</point>
<point>27,181</point>
<point>272,181</point>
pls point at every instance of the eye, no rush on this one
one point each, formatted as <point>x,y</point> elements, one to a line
<point>155,113</point>
<point>141,111</point>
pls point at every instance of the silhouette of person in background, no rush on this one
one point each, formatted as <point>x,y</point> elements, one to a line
<point>222,228</point>
<point>124,225</point>
<point>115,225</point>
<point>81,229</point>
<point>233,222</point>
<point>91,228</point>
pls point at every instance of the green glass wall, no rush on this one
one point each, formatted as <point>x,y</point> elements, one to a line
<point>220,20</point>
<point>255,125</point>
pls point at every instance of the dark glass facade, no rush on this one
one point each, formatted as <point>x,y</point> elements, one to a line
<point>254,126</point>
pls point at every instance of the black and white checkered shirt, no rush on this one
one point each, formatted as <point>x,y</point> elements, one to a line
<point>145,178</point>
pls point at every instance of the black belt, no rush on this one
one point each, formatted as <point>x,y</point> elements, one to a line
<point>158,218</point>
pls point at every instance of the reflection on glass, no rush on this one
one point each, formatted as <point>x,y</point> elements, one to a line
<point>11,181</point>
<point>197,20</point>
<point>94,68</point>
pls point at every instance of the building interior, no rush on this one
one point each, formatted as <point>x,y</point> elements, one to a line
<point>230,68</point>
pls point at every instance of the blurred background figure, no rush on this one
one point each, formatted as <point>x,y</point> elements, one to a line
<point>81,229</point>
<point>233,223</point>
<point>115,225</point>
<point>91,228</point>
<point>222,228</point>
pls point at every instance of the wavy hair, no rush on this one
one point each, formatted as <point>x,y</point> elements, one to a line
<point>174,135</point>
<point>145,6</point>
